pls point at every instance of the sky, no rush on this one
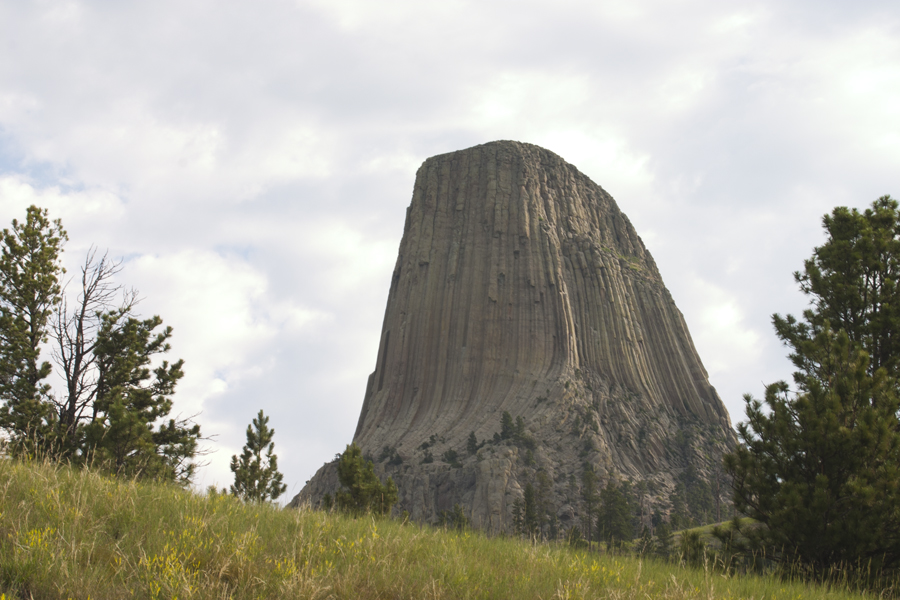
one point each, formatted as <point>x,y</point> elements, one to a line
<point>251,164</point>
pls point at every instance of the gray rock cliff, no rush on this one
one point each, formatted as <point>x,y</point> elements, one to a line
<point>521,287</point>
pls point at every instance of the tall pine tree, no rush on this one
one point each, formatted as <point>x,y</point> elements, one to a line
<point>591,501</point>
<point>818,466</point>
<point>29,290</point>
<point>615,521</point>
<point>853,283</point>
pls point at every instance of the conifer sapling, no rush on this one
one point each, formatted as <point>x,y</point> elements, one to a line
<point>256,476</point>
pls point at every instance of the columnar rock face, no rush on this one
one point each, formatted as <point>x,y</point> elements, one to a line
<point>520,287</point>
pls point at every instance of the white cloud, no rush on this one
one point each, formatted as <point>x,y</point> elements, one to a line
<point>79,210</point>
<point>722,335</point>
<point>219,310</point>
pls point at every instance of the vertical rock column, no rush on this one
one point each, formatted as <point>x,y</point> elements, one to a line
<point>515,268</point>
<point>521,287</point>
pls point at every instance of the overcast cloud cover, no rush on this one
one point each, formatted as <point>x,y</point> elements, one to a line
<point>252,163</point>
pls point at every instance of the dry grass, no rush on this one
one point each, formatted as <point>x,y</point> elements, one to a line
<point>72,534</point>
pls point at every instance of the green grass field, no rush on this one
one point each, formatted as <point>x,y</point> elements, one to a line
<point>72,534</point>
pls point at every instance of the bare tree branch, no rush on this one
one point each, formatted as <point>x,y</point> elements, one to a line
<point>75,334</point>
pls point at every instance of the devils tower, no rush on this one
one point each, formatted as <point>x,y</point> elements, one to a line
<point>522,293</point>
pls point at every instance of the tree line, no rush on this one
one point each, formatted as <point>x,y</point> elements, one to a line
<point>114,410</point>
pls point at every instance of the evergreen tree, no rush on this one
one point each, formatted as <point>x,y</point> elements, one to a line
<point>472,444</point>
<point>590,499</point>
<point>507,426</point>
<point>530,521</point>
<point>518,514</point>
<point>853,282</point>
<point>362,491</point>
<point>615,522</point>
<point>256,475</point>
<point>692,548</point>
<point>29,290</point>
<point>663,540</point>
<point>546,516</point>
<point>819,467</point>
<point>131,398</point>
<point>454,519</point>
<point>112,414</point>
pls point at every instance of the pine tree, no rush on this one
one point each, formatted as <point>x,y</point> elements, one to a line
<point>507,426</point>
<point>664,540</point>
<point>530,522</point>
<point>113,412</point>
<point>819,466</point>
<point>29,291</point>
<point>362,492</point>
<point>472,444</point>
<point>853,281</point>
<point>125,434</point>
<point>615,522</point>
<point>590,499</point>
<point>256,476</point>
<point>544,507</point>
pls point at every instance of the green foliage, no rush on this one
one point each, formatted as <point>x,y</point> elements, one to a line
<point>362,491</point>
<point>113,412</point>
<point>693,500</point>
<point>127,432</point>
<point>533,514</point>
<point>664,541</point>
<point>645,544</point>
<point>390,455</point>
<point>507,426</point>
<point>819,467</point>
<point>453,519</point>
<point>472,444</point>
<point>526,518</point>
<point>29,290</point>
<point>514,431</point>
<point>590,500</point>
<point>574,539</point>
<point>451,457</point>
<point>256,476</point>
<point>853,281</point>
<point>548,524</point>
<point>615,519</point>
<point>692,548</point>
<point>737,545</point>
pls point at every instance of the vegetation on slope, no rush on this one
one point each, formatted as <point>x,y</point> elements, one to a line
<point>67,533</point>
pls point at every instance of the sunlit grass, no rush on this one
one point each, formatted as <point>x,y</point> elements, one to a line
<point>71,534</point>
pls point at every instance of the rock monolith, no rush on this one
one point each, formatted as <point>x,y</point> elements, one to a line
<point>522,293</point>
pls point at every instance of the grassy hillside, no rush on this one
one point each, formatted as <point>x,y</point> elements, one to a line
<point>71,534</point>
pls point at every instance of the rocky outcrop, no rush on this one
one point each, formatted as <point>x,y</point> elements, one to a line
<point>521,288</point>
